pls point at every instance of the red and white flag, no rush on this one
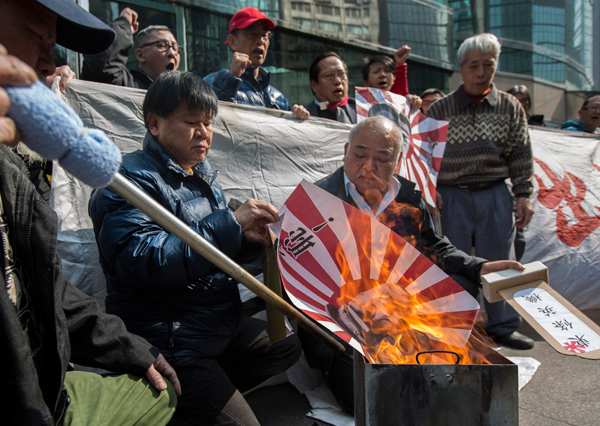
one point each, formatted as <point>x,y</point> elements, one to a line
<point>423,154</point>
<point>330,254</point>
<point>422,158</point>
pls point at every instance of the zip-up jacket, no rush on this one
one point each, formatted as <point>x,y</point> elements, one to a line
<point>164,290</point>
<point>246,89</point>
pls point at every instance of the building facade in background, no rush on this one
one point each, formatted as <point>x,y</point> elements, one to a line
<point>547,44</point>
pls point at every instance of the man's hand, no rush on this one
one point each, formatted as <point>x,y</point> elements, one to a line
<point>162,368</point>
<point>132,17</point>
<point>65,73</point>
<point>239,63</point>
<point>252,216</point>
<point>500,265</point>
<point>401,55</point>
<point>300,113</point>
<point>524,212</point>
<point>414,101</point>
<point>13,72</point>
<point>439,202</point>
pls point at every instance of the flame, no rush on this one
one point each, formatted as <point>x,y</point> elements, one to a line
<point>393,325</point>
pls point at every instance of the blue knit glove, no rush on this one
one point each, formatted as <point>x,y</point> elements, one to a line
<point>52,129</point>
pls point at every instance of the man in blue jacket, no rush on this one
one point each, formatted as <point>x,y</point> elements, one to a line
<point>165,291</point>
<point>246,82</point>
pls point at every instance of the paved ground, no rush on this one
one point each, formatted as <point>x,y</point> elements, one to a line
<point>565,390</point>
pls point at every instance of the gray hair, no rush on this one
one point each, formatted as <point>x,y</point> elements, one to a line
<point>146,32</point>
<point>484,42</point>
<point>398,143</point>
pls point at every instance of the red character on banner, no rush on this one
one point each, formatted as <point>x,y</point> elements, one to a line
<point>552,197</point>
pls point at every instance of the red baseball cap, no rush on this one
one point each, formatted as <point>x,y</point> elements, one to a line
<point>247,16</point>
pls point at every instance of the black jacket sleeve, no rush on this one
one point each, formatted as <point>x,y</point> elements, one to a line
<point>110,66</point>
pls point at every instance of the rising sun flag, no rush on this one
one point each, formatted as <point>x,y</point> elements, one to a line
<point>366,284</point>
<point>427,138</point>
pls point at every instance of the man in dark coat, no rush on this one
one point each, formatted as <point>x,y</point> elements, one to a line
<point>367,181</point>
<point>156,51</point>
<point>47,322</point>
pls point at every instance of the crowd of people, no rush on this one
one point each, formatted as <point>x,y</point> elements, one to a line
<point>174,337</point>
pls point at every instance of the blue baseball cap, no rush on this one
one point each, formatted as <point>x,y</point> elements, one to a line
<point>77,29</point>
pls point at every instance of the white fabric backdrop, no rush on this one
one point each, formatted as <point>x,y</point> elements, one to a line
<point>264,154</point>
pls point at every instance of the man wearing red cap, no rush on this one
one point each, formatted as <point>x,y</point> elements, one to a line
<point>246,82</point>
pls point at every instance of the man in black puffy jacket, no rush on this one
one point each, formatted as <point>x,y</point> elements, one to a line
<point>165,291</point>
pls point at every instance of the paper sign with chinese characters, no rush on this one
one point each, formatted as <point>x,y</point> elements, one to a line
<point>562,325</point>
<point>334,259</point>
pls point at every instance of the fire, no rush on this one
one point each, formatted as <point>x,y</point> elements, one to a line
<point>394,319</point>
<point>393,327</point>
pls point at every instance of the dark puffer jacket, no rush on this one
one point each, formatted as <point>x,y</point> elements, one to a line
<point>247,90</point>
<point>163,289</point>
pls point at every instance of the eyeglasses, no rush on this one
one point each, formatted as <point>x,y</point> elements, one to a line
<point>332,75</point>
<point>164,45</point>
<point>255,35</point>
<point>593,108</point>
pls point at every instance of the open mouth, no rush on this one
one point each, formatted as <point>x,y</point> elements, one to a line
<point>382,84</point>
<point>258,51</point>
<point>170,67</point>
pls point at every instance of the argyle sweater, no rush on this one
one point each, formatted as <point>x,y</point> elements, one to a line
<point>487,140</point>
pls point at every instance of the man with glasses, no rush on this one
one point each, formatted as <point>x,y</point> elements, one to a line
<point>246,81</point>
<point>157,51</point>
<point>589,117</point>
<point>329,83</point>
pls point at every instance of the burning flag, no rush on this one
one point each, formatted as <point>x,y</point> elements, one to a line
<point>427,137</point>
<point>366,284</point>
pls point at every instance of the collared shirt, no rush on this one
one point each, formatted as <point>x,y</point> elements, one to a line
<point>390,195</point>
<point>464,100</point>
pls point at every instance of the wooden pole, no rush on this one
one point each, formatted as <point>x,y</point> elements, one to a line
<point>175,226</point>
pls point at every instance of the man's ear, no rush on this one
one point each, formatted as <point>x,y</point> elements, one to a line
<point>232,42</point>
<point>313,85</point>
<point>139,55</point>
<point>365,84</point>
<point>345,151</point>
<point>399,160</point>
<point>153,124</point>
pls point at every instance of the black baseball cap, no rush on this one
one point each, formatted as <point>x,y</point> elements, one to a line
<point>77,29</point>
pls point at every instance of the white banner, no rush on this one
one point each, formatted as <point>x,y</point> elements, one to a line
<point>264,154</point>
<point>564,232</point>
